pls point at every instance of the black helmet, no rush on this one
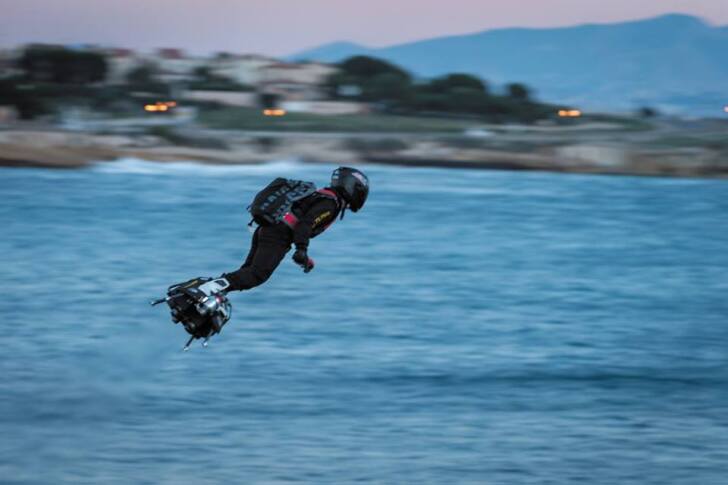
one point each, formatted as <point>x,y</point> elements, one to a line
<point>352,185</point>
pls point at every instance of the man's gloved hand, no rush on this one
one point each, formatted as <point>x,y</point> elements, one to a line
<point>212,287</point>
<point>300,257</point>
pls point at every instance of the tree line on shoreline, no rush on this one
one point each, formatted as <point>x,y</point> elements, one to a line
<point>392,88</point>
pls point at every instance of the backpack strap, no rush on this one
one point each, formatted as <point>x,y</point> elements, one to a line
<point>291,220</point>
<point>331,195</point>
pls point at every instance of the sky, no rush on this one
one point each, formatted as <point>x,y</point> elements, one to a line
<point>283,27</point>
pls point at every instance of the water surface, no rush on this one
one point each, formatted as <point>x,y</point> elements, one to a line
<point>465,327</point>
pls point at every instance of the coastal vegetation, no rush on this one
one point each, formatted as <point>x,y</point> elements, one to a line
<point>58,65</point>
<point>48,79</point>
<point>454,120</point>
<point>395,91</point>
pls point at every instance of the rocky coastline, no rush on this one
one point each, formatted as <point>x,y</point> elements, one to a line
<point>598,153</point>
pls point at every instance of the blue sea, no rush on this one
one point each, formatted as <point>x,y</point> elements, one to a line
<point>466,326</point>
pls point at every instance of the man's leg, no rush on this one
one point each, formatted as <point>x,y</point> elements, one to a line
<point>270,244</point>
<point>253,249</point>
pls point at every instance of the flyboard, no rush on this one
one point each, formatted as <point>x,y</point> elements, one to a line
<point>201,315</point>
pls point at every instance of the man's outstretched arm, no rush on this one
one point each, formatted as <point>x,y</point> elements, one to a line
<point>317,218</point>
<point>320,215</point>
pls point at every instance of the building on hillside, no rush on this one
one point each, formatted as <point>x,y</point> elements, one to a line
<point>244,69</point>
<point>296,82</point>
<point>228,98</point>
<point>120,63</point>
<point>174,65</point>
<point>304,73</point>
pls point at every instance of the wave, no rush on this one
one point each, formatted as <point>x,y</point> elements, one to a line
<point>137,166</point>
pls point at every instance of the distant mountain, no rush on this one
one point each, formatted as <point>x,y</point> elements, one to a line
<point>676,62</point>
<point>332,52</point>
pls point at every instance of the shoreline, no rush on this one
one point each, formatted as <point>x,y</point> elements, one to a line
<point>605,154</point>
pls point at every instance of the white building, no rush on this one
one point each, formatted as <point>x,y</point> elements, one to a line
<point>175,66</point>
<point>245,69</point>
<point>296,82</point>
<point>303,73</point>
<point>228,98</point>
<point>120,63</point>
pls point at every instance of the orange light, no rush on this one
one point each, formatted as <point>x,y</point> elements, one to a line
<point>160,106</point>
<point>268,112</point>
<point>569,113</point>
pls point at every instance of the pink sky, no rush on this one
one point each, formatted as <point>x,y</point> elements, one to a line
<point>280,27</point>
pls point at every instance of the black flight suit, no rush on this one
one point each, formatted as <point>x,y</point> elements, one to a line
<point>271,243</point>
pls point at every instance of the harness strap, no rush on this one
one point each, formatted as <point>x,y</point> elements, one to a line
<point>291,220</point>
<point>329,193</point>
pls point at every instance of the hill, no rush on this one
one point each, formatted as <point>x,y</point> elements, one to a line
<point>676,62</point>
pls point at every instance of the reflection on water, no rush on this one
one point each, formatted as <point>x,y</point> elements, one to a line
<point>464,327</point>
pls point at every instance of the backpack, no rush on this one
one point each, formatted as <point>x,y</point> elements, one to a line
<point>271,204</point>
